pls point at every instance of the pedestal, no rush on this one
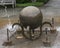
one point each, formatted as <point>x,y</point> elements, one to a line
<point>7,43</point>
<point>53,30</point>
<point>46,42</point>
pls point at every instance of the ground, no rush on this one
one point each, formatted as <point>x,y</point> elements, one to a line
<point>49,11</point>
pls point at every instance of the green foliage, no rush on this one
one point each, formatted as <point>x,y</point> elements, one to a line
<point>28,1</point>
<point>30,4</point>
<point>44,1</point>
<point>22,1</point>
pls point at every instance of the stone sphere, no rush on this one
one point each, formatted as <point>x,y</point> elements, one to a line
<point>31,16</point>
<point>30,11</point>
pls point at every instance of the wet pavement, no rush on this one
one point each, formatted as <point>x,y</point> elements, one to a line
<point>51,9</point>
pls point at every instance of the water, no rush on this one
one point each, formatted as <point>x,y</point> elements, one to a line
<point>54,3</point>
<point>52,10</point>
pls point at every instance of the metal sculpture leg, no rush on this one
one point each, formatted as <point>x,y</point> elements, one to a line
<point>18,32</point>
<point>40,30</point>
<point>26,34</point>
<point>8,42</point>
<point>46,42</point>
<point>47,23</point>
<point>23,32</point>
<point>32,34</point>
<point>53,29</point>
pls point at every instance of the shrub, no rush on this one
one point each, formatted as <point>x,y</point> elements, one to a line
<point>22,1</point>
<point>28,1</point>
<point>44,1</point>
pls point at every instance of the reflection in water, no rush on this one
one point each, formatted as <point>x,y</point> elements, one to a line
<point>9,26</point>
<point>7,14</point>
<point>58,28</point>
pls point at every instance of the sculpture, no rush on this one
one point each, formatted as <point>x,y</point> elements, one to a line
<point>31,16</point>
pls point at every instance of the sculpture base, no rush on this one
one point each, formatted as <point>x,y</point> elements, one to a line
<point>46,43</point>
<point>53,30</point>
<point>8,43</point>
<point>19,37</point>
